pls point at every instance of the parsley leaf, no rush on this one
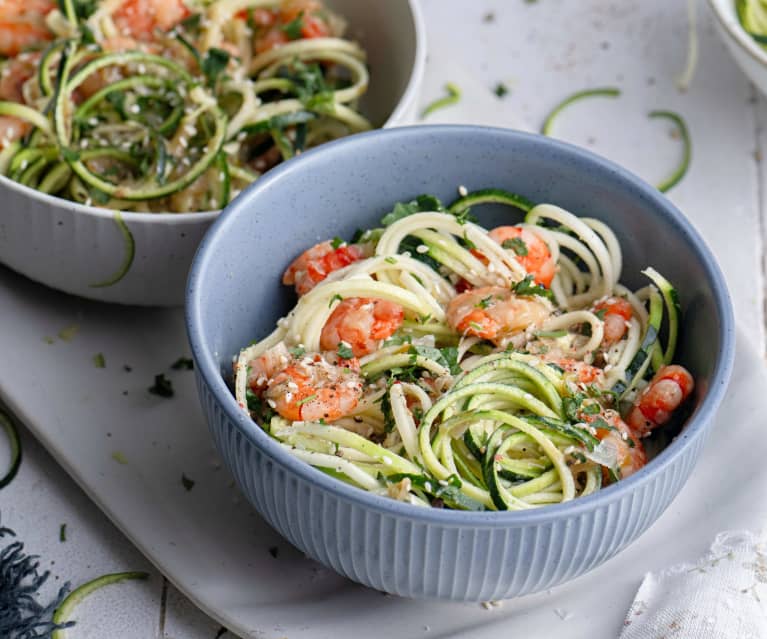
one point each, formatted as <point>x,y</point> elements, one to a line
<point>345,351</point>
<point>183,363</point>
<point>186,482</point>
<point>517,244</point>
<point>420,204</point>
<point>501,90</point>
<point>293,28</point>
<point>526,287</point>
<point>214,63</point>
<point>334,298</point>
<point>337,242</point>
<point>162,386</point>
<point>297,351</point>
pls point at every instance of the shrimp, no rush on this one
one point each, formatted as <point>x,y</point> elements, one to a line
<point>660,398</point>
<point>617,313</point>
<point>315,388</point>
<point>22,25</point>
<point>495,313</point>
<point>529,249</point>
<point>140,18</point>
<point>316,263</point>
<point>582,372</point>
<point>12,78</point>
<point>630,454</point>
<point>361,323</point>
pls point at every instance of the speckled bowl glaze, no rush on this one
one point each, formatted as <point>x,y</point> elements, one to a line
<point>235,295</point>
<point>749,55</point>
<point>76,248</point>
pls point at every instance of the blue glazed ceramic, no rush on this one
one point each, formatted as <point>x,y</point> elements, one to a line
<point>234,296</point>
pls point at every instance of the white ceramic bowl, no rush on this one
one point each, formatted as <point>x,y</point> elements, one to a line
<point>77,248</point>
<point>749,55</point>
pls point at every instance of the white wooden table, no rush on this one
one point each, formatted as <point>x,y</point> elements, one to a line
<point>542,51</point>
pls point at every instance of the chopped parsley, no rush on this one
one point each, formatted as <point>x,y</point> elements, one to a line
<point>214,63</point>
<point>420,204</point>
<point>99,361</point>
<point>337,242</point>
<point>63,533</point>
<point>526,287</point>
<point>183,363</point>
<point>601,313</point>
<point>187,483</point>
<point>517,244</point>
<point>336,297</point>
<point>501,90</point>
<point>162,386</point>
<point>345,351</point>
<point>293,28</point>
<point>119,457</point>
<point>485,302</point>
<point>273,551</point>
<point>297,351</point>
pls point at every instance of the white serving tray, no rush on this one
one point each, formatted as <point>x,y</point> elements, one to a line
<point>215,548</point>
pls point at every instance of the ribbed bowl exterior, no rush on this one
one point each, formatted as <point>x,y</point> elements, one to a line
<point>72,248</point>
<point>417,558</point>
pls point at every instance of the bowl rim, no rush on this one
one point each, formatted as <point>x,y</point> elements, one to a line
<point>208,371</point>
<point>726,14</point>
<point>396,118</point>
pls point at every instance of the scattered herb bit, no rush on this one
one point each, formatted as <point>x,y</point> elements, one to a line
<point>63,533</point>
<point>516,244</point>
<point>681,127</point>
<point>484,302</point>
<point>127,368</point>
<point>49,340</point>
<point>501,90</point>
<point>421,204</point>
<point>162,386</point>
<point>601,313</point>
<point>345,351</point>
<point>526,287</point>
<point>293,28</point>
<point>336,297</point>
<point>221,632</point>
<point>606,92</point>
<point>186,482</point>
<point>183,363</point>
<point>592,408</point>
<point>214,63</point>
<point>337,242</point>
<point>69,155</point>
<point>305,400</point>
<point>274,551</point>
<point>488,17</point>
<point>99,361</point>
<point>297,351</point>
<point>68,333</point>
<point>452,97</point>
<point>119,457</point>
<point>390,260</point>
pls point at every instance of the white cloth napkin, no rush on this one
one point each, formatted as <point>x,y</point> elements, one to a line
<point>722,596</point>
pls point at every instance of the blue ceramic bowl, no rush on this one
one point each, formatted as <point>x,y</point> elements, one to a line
<point>235,296</point>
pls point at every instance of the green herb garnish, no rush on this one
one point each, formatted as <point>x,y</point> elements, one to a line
<point>526,287</point>
<point>183,363</point>
<point>345,351</point>
<point>517,244</point>
<point>452,97</point>
<point>99,361</point>
<point>186,482</point>
<point>162,386</point>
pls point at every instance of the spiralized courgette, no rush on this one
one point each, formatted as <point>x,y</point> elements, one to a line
<point>176,119</point>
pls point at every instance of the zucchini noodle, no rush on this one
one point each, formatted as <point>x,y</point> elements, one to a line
<point>386,374</point>
<point>179,110</point>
